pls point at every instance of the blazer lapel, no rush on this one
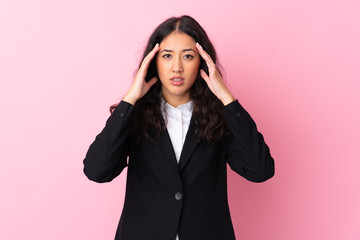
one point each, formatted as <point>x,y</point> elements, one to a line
<point>190,145</point>
<point>168,150</point>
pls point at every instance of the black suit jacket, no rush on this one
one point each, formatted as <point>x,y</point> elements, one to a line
<point>190,198</point>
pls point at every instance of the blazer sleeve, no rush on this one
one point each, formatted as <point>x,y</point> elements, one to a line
<point>107,155</point>
<point>247,152</point>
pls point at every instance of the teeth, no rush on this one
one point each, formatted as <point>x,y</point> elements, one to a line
<point>177,79</point>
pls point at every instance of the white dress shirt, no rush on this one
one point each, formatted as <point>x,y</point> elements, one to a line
<point>177,122</point>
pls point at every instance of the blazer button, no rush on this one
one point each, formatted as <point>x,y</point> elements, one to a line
<point>178,196</point>
<point>238,114</point>
<point>122,114</point>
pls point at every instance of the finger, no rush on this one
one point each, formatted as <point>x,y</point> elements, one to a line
<point>204,76</point>
<point>205,55</point>
<point>152,81</point>
<point>208,60</point>
<point>150,56</point>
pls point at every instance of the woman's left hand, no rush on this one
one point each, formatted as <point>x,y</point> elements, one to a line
<point>214,79</point>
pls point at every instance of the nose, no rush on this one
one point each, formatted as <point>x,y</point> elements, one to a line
<point>177,65</point>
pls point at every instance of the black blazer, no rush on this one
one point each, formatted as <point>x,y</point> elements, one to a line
<point>190,198</point>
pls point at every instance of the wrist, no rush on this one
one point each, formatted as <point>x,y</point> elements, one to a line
<point>129,99</point>
<point>227,99</point>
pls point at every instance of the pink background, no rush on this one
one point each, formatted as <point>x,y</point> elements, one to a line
<point>294,65</point>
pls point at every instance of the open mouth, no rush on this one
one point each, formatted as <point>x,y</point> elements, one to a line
<point>177,80</point>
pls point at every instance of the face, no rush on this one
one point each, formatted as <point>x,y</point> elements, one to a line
<point>178,65</point>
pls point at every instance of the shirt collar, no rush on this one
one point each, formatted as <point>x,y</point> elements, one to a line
<point>188,106</point>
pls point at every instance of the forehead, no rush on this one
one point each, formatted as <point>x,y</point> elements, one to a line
<point>177,40</point>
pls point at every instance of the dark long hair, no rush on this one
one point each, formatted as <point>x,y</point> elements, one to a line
<point>207,115</point>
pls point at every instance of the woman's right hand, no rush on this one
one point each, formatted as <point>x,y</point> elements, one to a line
<point>140,87</point>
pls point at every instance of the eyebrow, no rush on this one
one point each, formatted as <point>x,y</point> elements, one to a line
<point>185,50</point>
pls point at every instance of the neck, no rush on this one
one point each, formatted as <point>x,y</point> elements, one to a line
<point>176,101</point>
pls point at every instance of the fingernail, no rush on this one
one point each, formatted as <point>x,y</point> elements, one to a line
<point>199,44</point>
<point>156,45</point>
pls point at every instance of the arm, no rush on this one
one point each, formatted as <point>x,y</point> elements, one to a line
<point>107,155</point>
<point>248,154</point>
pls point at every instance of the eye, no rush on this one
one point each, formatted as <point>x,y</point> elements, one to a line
<point>188,56</point>
<point>166,56</point>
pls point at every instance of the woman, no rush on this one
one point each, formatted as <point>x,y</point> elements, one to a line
<point>175,129</point>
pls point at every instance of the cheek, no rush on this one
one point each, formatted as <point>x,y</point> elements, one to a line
<point>161,71</point>
<point>195,69</point>
<point>162,67</point>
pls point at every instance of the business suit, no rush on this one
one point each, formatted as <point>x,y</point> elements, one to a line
<point>190,198</point>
